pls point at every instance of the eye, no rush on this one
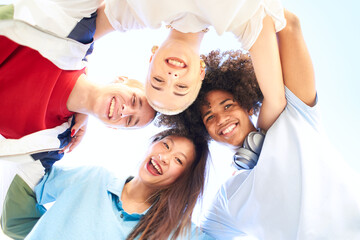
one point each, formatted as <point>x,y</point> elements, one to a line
<point>128,121</point>
<point>178,160</point>
<point>158,80</point>
<point>209,118</point>
<point>182,86</point>
<point>166,145</point>
<point>227,106</point>
<point>133,100</point>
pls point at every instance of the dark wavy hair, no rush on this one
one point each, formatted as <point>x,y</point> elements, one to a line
<point>230,71</point>
<point>172,207</point>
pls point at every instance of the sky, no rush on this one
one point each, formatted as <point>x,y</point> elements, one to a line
<point>331,31</point>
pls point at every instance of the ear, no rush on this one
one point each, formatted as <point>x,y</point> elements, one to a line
<point>202,73</point>
<point>153,51</point>
<point>251,112</point>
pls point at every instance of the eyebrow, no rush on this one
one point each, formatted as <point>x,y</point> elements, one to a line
<point>157,88</point>
<point>221,103</point>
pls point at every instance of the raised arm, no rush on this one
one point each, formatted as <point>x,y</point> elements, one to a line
<point>266,61</point>
<point>298,72</point>
<point>103,25</point>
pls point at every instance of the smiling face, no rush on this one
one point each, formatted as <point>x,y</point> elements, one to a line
<point>224,119</point>
<point>123,105</point>
<point>174,77</point>
<point>166,160</point>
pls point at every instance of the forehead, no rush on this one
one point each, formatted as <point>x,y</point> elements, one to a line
<point>216,97</point>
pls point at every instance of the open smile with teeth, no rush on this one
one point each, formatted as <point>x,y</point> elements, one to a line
<point>156,166</point>
<point>229,129</point>
<point>176,63</point>
<point>111,108</point>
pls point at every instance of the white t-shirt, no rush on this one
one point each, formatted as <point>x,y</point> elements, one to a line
<point>241,17</point>
<point>300,189</point>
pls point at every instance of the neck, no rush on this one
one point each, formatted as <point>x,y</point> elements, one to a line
<point>192,39</point>
<point>136,196</point>
<point>80,98</point>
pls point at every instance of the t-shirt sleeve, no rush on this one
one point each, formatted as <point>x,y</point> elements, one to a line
<point>121,16</point>
<point>218,221</point>
<point>60,179</point>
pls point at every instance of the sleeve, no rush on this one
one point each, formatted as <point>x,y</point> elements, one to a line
<point>58,180</point>
<point>121,16</point>
<point>220,219</point>
<point>20,210</point>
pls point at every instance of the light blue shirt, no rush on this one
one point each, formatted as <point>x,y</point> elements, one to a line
<point>87,206</point>
<point>300,189</point>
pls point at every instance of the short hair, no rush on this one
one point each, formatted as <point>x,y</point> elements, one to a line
<point>231,71</point>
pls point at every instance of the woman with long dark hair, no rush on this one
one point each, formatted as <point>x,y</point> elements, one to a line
<point>91,203</point>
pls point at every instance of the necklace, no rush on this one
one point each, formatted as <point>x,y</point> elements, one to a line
<point>205,30</point>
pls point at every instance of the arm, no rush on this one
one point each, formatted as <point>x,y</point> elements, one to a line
<point>296,63</point>
<point>266,61</point>
<point>103,25</point>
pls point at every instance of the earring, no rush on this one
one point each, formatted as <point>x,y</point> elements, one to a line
<point>202,63</point>
<point>154,49</point>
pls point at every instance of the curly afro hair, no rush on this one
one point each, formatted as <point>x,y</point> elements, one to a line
<point>230,71</point>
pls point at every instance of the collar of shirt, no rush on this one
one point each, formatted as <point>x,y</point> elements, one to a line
<point>116,187</point>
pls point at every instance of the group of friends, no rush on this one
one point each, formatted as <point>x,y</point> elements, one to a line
<point>287,183</point>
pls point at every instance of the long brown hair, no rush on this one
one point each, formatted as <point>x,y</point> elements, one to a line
<point>171,211</point>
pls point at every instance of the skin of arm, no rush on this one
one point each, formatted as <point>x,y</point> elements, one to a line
<point>298,71</point>
<point>266,61</point>
<point>103,25</point>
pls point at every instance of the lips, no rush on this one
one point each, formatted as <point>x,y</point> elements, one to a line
<point>154,167</point>
<point>228,130</point>
<point>176,63</point>
<point>111,108</point>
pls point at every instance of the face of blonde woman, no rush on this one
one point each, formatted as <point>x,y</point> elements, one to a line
<point>174,77</point>
<point>123,105</point>
<point>166,160</point>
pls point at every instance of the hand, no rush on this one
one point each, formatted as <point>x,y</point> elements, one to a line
<point>77,132</point>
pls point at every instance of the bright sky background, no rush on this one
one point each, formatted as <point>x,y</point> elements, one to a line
<point>331,30</point>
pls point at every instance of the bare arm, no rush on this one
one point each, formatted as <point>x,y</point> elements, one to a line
<point>103,25</point>
<point>266,61</point>
<point>296,63</point>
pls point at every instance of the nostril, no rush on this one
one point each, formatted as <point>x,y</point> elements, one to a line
<point>169,73</point>
<point>176,75</point>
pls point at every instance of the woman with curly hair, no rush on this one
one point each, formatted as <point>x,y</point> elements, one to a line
<point>296,190</point>
<point>92,203</point>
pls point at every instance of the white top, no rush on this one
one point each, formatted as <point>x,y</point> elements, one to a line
<point>300,189</point>
<point>241,17</point>
<point>44,25</point>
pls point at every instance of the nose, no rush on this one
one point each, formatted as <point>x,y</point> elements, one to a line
<point>126,110</point>
<point>164,158</point>
<point>221,118</point>
<point>173,74</point>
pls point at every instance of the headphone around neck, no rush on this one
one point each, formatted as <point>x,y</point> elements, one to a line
<point>246,157</point>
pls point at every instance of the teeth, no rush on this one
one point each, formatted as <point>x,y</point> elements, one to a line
<point>176,63</point>
<point>156,166</point>
<point>112,106</point>
<point>229,129</point>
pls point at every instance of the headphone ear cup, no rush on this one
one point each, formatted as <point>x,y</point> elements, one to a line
<point>245,158</point>
<point>254,141</point>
